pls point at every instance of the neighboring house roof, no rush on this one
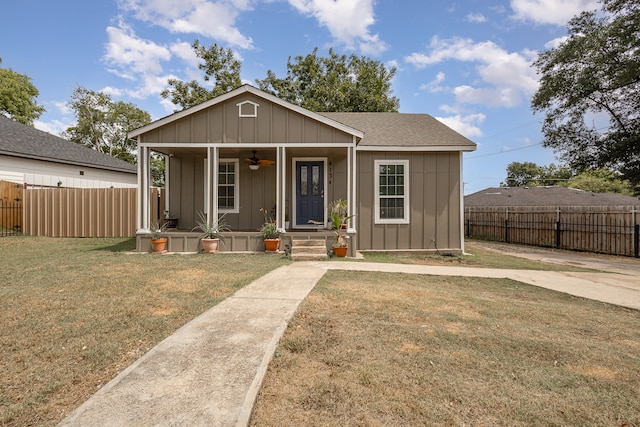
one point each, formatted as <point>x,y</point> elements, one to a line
<point>24,141</point>
<point>545,196</point>
<point>401,130</point>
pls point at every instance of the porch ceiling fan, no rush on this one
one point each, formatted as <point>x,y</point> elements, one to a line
<point>255,162</point>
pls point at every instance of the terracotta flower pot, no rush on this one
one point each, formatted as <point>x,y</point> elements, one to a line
<point>210,245</point>
<point>271,245</point>
<point>340,251</point>
<point>159,245</point>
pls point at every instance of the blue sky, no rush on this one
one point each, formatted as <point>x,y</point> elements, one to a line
<point>467,62</point>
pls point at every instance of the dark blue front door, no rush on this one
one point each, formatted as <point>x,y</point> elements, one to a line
<point>310,193</point>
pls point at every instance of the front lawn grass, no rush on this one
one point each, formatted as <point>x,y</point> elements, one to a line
<point>76,312</point>
<point>373,349</point>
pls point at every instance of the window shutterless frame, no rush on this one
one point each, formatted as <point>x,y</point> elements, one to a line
<point>391,191</point>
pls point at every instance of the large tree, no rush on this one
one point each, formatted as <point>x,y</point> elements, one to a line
<point>591,78</point>
<point>221,70</point>
<point>103,124</point>
<point>18,97</point>
<point>334,83</point>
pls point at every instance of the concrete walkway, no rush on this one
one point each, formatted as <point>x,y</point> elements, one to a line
<point>208,373</point>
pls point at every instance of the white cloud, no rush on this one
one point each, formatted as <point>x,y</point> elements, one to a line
<point>551,44</point>
<point>434,85</point>
<point>467,125</point>
<point>215,19</point>
<point>62,107</point>
<point>54,127</point>
<point>551,11</point>
<point>507,78</point>
<point>132,55</point>
<point>476,18</point>
<point>348,21</point>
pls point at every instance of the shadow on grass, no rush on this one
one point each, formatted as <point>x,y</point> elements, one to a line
<point>122,246</point>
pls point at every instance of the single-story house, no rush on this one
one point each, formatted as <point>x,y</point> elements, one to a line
<point>550,196</point>
<point>39,159</point>
<point>247,150</point>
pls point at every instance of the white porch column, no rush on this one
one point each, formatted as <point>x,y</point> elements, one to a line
<point>212,184</point>
<point>144,174</point>
<point>351,187</point>
<point>281,185</point>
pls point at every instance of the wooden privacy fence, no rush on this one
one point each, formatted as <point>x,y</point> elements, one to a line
<point>83,212</point>
<point>609,229</point>
<point>10,208</point>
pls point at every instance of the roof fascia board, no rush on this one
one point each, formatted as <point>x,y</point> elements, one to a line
<point>254,91</point>
<point>416,148</point>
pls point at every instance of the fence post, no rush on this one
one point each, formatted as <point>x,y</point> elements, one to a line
<point>636,233</point>
<point>558,228</point>
<point>506,227</point>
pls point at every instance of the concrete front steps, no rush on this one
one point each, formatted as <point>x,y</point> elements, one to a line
<point>308,249</point>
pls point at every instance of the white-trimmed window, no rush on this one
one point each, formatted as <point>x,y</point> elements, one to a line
<point>392,191</point>
<point>228,189</point>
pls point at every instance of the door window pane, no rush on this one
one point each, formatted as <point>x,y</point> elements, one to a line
<point>303,181</point>
<point>315,172</point>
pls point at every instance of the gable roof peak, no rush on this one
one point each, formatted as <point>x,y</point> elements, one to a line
<point>245,88</point>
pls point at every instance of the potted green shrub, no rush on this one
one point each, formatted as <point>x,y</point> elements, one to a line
<point>211,232</point>
<point>338,217</point>
<point>158,239</point>
<point>269,232</point>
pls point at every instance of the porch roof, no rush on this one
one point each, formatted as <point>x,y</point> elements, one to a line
<point>402,130</point>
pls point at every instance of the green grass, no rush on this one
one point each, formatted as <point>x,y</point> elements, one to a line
<point>76,312</point>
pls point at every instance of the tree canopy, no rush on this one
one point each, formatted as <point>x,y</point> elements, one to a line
<point>590,78</point>
<point>18,97</point>
<point>598,181</point>
<point>221,69</point>
<point>334,83</point>
<point>103,124</point>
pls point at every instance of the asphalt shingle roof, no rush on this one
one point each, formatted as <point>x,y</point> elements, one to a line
<point>20,140</point>
<point>546,196</point>
<point>402,130</point>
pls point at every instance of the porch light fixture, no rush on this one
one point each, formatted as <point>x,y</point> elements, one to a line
<point>254,167</point>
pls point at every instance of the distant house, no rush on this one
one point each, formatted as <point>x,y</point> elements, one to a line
<point>400,174</point>
<point>39,159</point>
<point>545,196</point>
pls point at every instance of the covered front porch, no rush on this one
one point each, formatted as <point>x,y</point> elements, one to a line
<point>289,185</point>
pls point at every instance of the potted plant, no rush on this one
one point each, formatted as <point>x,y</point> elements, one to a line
<point>170,219</point>
<point>211,232</point>
<point>158,240</point>
<point>269,232</point>
<point>338,217</point>
<point>338,208</point>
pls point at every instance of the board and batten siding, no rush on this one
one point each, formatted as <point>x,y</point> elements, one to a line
<point>434,188</point>
<point>220,124</point>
